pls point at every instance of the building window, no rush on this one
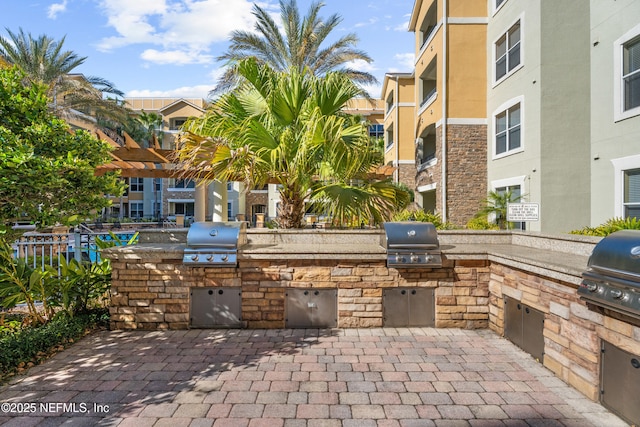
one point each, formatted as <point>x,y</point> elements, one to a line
<point>429,83</point>
<point>428,27</point>
<point>229,210</point>
<point>507,131</point>
<point>136,185</point>
<point>426,149</point>
<point>136,209</point>
<point>507,52</point>
<point>157,184</point>
<point>186,209</point>
<point>177,123</point>
<point>376,131</point>
<point>631,74</point>
<point>632,193</point>
<point>389,142</point>
<point>184,183</point>
<point>516,195</point>
<point>389,103</point>
<point>499,3</point>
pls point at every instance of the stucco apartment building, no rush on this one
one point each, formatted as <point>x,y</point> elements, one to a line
<point>435,122</point>
<point>538,97</point>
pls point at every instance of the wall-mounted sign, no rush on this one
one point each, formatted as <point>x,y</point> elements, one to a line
<point>518,212</point>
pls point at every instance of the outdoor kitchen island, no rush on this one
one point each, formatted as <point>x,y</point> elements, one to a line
<point>521,285</point>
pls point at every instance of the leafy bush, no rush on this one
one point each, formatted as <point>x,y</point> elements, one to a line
<point>610,226</point>
<point>31,345</point>
<point>481,223</point>
<point>422,216</point>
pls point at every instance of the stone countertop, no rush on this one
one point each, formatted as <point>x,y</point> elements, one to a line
<point>555,264</point>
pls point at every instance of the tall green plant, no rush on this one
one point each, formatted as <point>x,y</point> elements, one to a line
<point>20,284</point>
<point>496,205</point>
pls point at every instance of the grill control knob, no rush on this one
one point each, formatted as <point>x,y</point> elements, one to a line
<point>617,293</point>
<point>194,257</point>
<point>399,258</point>
<point>591,287</point>
<point>224,257</point>
<point>428,258</point>
<point>209,257</point>
<point>415,258</point>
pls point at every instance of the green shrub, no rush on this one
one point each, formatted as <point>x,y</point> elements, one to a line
<point>34,343</point>
<point>481,223</point>
<point>610,226</point>
<point>422,216</point>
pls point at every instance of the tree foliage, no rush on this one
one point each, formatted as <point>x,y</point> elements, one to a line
<point>46,169</point>
<point>288,128</point>
<point>45,62</point>
<point>495,207</point>
<point>302,43</point>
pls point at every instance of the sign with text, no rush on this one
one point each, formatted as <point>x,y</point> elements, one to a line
<point>518,212</point>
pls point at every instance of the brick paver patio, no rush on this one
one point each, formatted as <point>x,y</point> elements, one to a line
<point>293,378</point>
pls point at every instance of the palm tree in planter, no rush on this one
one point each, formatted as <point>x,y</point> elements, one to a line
<point>496,205</point>
<point>287,128</point>
<point>44,61</point>
<point>301,45</point>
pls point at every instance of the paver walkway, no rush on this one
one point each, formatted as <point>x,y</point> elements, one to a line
<point>294,378</point>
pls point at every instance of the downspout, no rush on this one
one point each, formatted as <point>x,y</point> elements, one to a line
<point>397,129</point>
<point>444,111</point>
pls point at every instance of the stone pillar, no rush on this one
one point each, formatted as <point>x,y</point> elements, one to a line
<point>220,201</point>
<point>242,200</point>
<point>200,203</point>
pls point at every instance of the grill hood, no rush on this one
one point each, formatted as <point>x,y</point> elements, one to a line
<point>214,243</point>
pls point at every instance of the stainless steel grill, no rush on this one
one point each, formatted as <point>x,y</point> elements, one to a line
<point>412,244</point>
<point>613,278</point>
<point>214,243</point>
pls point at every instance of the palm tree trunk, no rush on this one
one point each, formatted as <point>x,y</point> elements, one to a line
<point>291,212</point>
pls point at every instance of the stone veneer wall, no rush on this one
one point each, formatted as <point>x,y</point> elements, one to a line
<point>572,332</point>
<point>466,171</point>
<point>155,294</point>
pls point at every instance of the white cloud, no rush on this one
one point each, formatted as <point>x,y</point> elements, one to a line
<point>175,57</point>
<point>406,60</point>
<point>56,8</point>
<point>371,21</point>
<point>200,91</point>
<point>402,27</point>
<point>182,30</point>
<point>360,65</point>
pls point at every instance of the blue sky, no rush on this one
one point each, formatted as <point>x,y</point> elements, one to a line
<point>168,47</point>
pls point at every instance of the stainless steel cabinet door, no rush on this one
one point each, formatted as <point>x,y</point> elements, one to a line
<point>620,383</point>
<point>408,307</point>
<point>216,307</point>
<point>311,308</point>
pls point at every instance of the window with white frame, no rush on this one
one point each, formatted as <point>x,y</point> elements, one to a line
<point>389,103</point>
<point>626,75</point>
<point>631,74</point>
<point>136,209</point>
<point>507,52</point>
<point>389,142</point>
<point>631,201</point>
<point>516,195</point>
<point>136,185</point>
<point>429,82</point>
<point>184,183</point>
<point>157,184</point>
<point>507,128</point>
<point>499,3</point>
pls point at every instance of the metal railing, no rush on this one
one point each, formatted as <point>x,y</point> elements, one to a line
<point>40,250</point>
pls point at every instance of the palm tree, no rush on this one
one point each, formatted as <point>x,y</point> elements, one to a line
<point>287,128</point>
<point>496,205</point>
<point>151,122</point>
<point>44,61</point>
<point>301,46</point>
